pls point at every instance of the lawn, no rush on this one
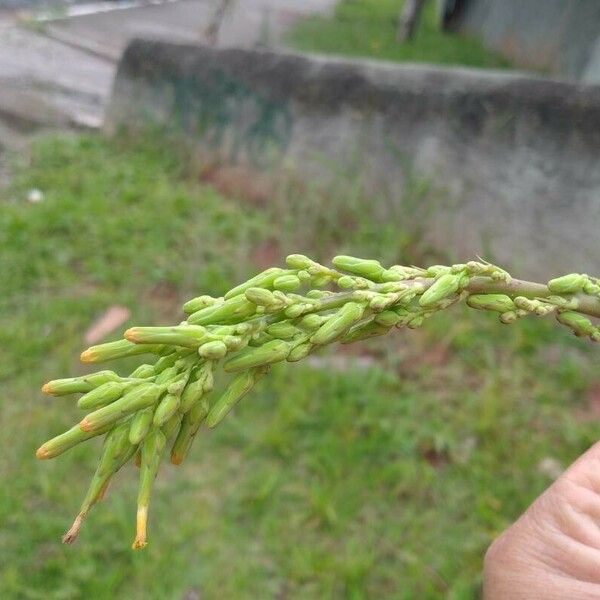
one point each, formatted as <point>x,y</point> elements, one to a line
<point>383,472</point>
<point>368,28</point>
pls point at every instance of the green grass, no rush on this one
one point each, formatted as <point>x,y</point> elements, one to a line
<point>368,28</point>
<point>385,481</point>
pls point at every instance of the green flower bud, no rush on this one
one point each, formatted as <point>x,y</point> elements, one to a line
<point>167,375</point>
<point>346,282</point>
<point>213,350</point>
<point>321,280</point>
<point>152,449</point>
<point>496,302</point>
<point>437,270</point>
<point>172,425</point>
<point>137,399</point>
<point>287,283</point>
<point>299,352</point>
<point>267,354</point>
<point>294,311</point>
<point>65,441</point>
<point>508,317</point>
<point>388,318</point>
<point>442,287</point>
<point>166,408</point>
<point>415,321</point>
<point>567,284</point>
<point>233,342</point>
<point>260,296</point>
<point>231,311</point>
<point>143,372</point>
<point>176,387</point>
<point>591,289</point>
<point>116,452</point>
<point>371,269</point>
<point>195,304</point>
<point>379,303</point>
<point>392,275</point>
<point>71,385</point>
<point>299,261</point>
<point>118,349</point>
<point>165,362</point>
<point>140,425</point>
<point>192,394</point>
<point>237,389</point>
<point>190,424</point>
<point>311,322</point>
<point>262,280</point>
<point>337,325</point>
<point>101,396</point>
<point>189,336</point>
<point>283,330</point>
<point>580,325</point>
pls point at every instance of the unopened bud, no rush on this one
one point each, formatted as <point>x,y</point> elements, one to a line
<point>233,310</point>
<point>260,296</point>
<point>346,282</point>
<point>101,396</point>
<point>580,325</point>
<point>371,269</point>
<point>143,372</point>
<point>337,325</point>
<point>567,284</point>
<point>283,330</point>
<point>299,352</point>
<point>508,317</point>
<point>269,353</point>
<point>442,287</point>
<point>388,318</point>
<point>213,350</point>
<point>118,349</point>
<point>237,389</point>
<point>496,302</point>
<point>287,283</point>
<point>263,280</point>
<point>195,304</point>
<point>299,261</point>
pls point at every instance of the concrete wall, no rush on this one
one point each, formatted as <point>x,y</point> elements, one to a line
<point>558,36</point>
<point>517,158</point>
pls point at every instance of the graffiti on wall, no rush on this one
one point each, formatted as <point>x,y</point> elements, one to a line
<point>231,118</point>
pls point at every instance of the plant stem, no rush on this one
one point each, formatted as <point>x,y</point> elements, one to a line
<point>516,287</point>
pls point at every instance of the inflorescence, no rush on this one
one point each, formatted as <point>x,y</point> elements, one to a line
<point>282,314</point>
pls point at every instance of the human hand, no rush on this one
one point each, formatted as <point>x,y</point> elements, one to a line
<point>552,551</point>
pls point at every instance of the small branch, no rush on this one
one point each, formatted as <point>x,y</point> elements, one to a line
<point>517,287</point>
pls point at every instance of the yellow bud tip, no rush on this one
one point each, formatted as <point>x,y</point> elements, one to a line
<point>41,453</point>
<point>47,389</point>
<point>130,335</point>
<point>72,534</point>
<point>140,534</point>
<point>176,459</point>
<point>85,425</point>
<point>87,356</point>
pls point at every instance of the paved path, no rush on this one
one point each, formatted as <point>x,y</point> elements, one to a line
<point>60,73</point>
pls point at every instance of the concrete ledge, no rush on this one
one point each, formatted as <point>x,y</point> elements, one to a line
<point>517,157</point>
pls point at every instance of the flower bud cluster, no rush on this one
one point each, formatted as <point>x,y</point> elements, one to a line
<point>280,315</point>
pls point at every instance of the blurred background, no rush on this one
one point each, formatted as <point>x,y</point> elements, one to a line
<point>381,470</point>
